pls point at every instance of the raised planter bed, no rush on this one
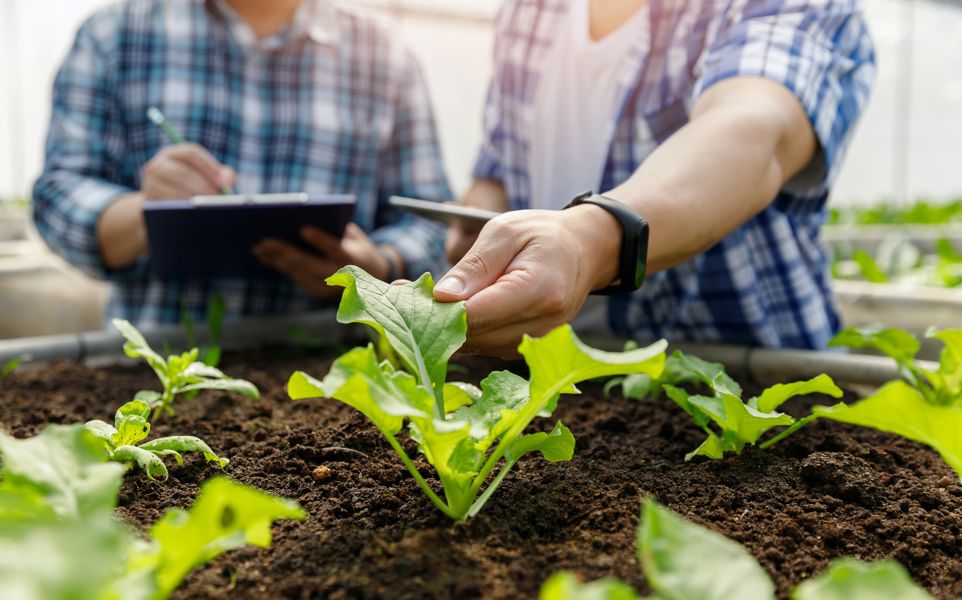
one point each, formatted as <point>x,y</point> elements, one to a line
<point>828,491</point>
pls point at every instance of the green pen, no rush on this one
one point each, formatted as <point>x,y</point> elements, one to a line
<point>158,118</point>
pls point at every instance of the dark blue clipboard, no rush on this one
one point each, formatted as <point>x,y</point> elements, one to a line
<point>211,237</point>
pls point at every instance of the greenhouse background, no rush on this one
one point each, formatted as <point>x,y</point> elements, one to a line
<point>908,144</point>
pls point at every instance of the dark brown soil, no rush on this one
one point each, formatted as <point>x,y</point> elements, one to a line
<point>829,491</point>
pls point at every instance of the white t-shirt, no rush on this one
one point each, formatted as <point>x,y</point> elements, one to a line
<point>576,104</point>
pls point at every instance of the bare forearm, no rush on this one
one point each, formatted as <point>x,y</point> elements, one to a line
<point>717,172</point>
<point>121,233</point>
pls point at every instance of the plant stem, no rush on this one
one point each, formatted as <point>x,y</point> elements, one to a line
<point>488,491</point>
<point>791,429</point>
<point>417,477</point>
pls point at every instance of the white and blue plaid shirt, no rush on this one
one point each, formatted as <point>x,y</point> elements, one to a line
<point>332,104</point>
<point>768,282</point>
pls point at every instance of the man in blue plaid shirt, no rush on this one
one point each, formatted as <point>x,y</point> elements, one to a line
<point>279,96</point>
<point>721,122</point>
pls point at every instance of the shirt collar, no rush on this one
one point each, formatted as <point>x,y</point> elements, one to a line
<point>314,19</point>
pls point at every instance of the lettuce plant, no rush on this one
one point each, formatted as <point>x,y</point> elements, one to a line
<point>12,365</point>
<point>59,539</point>
<point>941,387</point>
<point>467,434</point>
<point>178,373</point>
<point>925,406</point>
<point>683,561</point>
<point>729,422</point>
<point>131,426</point>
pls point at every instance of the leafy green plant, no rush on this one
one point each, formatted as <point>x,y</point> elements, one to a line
<point>12,365</point>
<point>680,369</point>
<point>730,423</point>
<point>464,432</point>
<point>59,539</point>
<point>178,373</point>
<point>941,387</point>
<point>683,561</point>
<point>122,441</point>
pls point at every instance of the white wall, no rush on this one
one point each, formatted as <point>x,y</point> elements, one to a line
<point>456,55</point>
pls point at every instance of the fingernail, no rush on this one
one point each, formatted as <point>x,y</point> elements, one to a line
<point>225,176</point>
<point>450,285</point>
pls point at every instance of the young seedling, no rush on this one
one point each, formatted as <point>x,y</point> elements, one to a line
<point>730,423</point>
<point>925,406</point>
<point>12,365</point>
<point>467,434</point>
<point>684,561</point>
<point>122,441</point>
<point>941,387</point>
<point>59,537</point>
<point>178,373</point>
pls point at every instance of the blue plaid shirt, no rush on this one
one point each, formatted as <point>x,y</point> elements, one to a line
<point>332,104</point>
<point>768,282</point>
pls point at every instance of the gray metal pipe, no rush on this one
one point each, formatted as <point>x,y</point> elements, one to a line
<point>244,334</point>
<point>759,364</point>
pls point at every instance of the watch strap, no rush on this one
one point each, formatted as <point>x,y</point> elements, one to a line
<point>632,260</point>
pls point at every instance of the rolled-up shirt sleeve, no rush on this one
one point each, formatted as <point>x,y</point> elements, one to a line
<point>819,50</point>
<point>82,173</point>
<point>412,166</point>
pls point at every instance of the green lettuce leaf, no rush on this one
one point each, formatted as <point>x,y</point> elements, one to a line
<point>176,444</point>
<point>680,368</point>
<point>225,516</point>
<point>566,586</point>
<point>149,462</point>
<point>740,423</point>
<point>684,561</point>
<point>849,579</point>
<point>900,409</point>
<point>424,333</point>
<point>65,465</point>
<point>375,390</point>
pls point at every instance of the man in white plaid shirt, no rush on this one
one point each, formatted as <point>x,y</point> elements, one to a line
<point>721,122</point>
<point>279,96</point>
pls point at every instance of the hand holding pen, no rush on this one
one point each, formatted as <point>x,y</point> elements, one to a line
<point>183,169</point>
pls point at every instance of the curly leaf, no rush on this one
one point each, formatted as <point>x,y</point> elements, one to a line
<point>557,446</point>
<point>184,443</point>
<point>356,379</point>
<point>684,561</point>
<point>566,586</point>
<point>559,360</point>
<point>776,395</point>
<point>131,424</point>
<point>502,394</point>
<point>900,409</point>
<point>850,579</point>
<point>149,462</point>
<point>424,333</point>
<point>225,516</point>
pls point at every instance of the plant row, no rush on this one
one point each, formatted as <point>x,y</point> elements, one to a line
<point>59,538</point>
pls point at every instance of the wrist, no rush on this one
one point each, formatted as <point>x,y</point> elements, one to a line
<point>599,236</point>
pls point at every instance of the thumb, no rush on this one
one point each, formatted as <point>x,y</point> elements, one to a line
<point>483,265</point>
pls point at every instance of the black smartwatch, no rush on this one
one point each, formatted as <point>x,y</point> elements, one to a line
<point>633,259</point>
